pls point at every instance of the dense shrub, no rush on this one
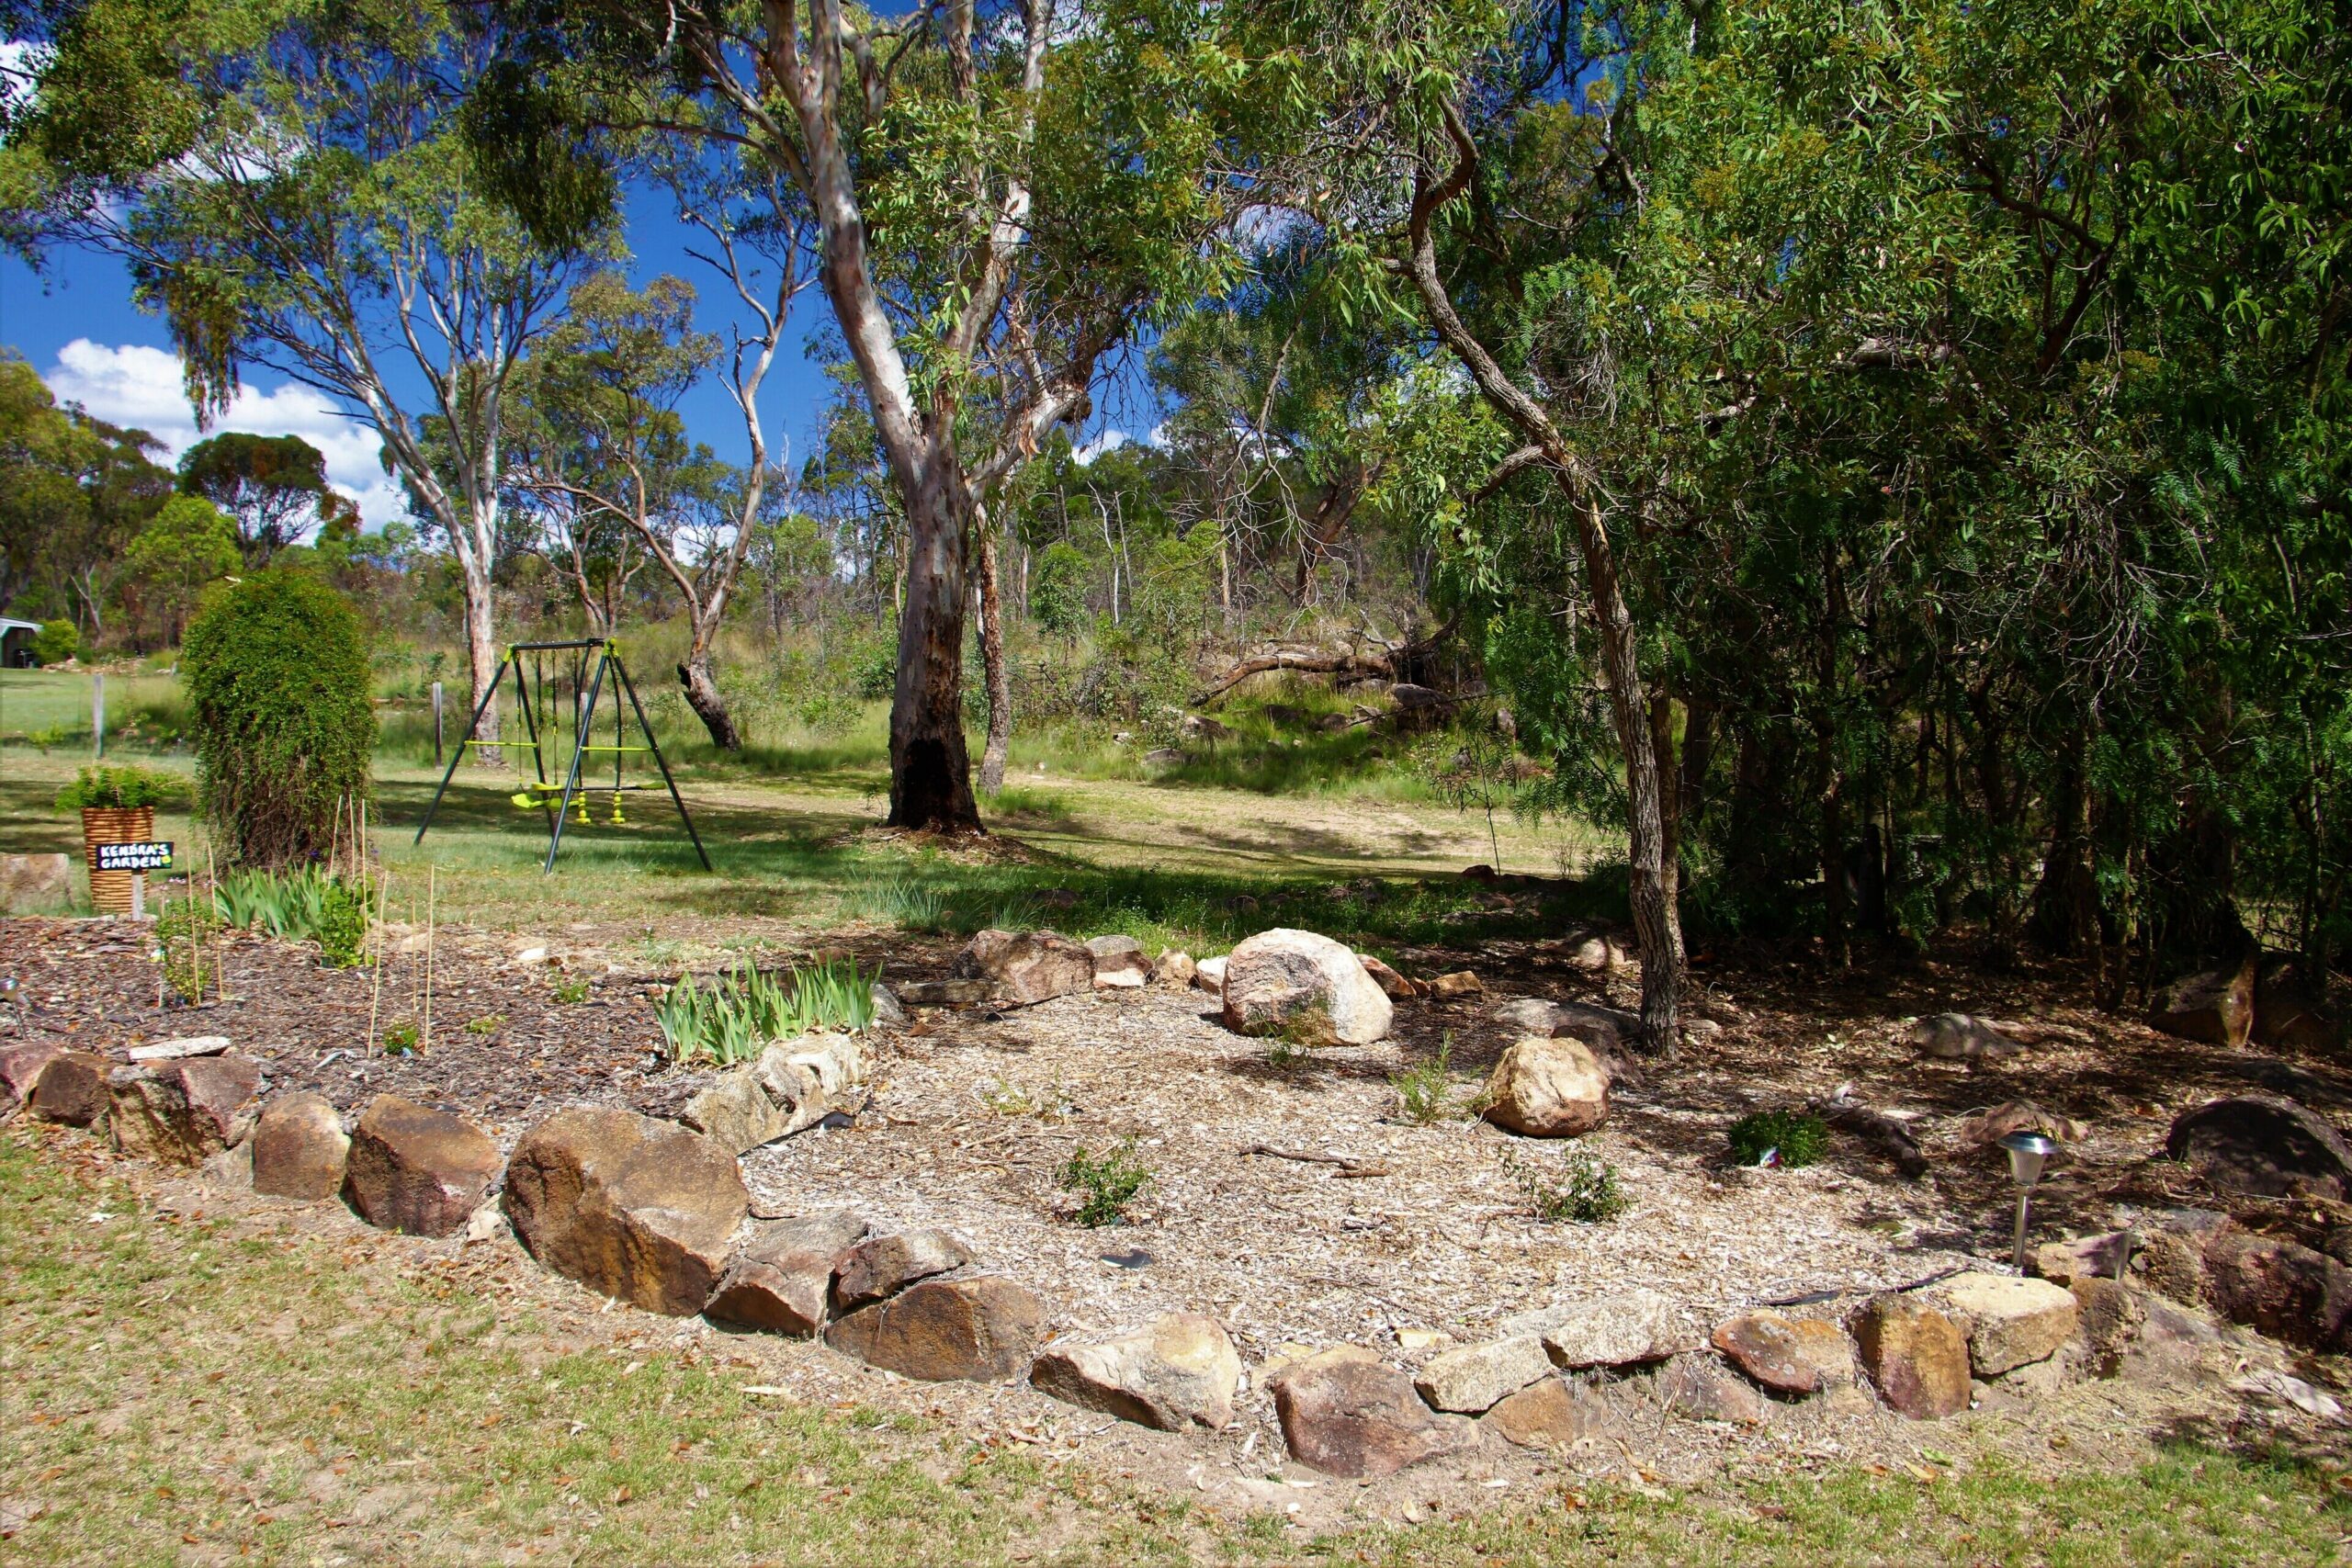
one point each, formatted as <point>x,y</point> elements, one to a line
<point>1792,1137</point>
<point>278,682</point>
<point>56,642</point>
<point>109,786</point>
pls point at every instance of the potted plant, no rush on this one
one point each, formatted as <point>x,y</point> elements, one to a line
<point>117,807</point>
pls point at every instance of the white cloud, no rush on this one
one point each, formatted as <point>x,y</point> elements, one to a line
<point>140,387</point>
<point>1109,441</point>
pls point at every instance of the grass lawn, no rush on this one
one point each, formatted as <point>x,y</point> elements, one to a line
<point>193,1381</point>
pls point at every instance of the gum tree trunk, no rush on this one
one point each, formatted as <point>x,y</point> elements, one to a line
<point>702,695</point>
<point>931,770</point>
<point>999,683</point>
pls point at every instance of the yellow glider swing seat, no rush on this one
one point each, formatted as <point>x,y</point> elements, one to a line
<point>540,726</point>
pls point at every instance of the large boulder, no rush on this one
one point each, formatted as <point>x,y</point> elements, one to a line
<point>1787,1355</point>
<point>72,1089</point>
<point>185,1112</point>
<point>628,1206</point>
<point>20,1067</point>
<point>1025,967</point>
<point>1961,1037</point>
<point>975,1328</point>
<point>1916,1355</point>
<point>417,1170</point>
<point>789,1088</point>
<point>1548,1088</point>
<point>1476,1378</point>
<point>1303,988</point>
<point>2264,1144</point>
<point>2278,1287</point>
<point>1119,963</point>
<point>2289,1009</point>
<point>781,1281</point>
<point>877,1269</point>
<point>1639,1325</point>
<point>1346,1413</point>
<point>299,1147</point>
<point>2009,1321</point>
<point>1177,1371</point>
<point>2216,1006</point>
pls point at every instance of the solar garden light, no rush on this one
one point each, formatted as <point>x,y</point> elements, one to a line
<point>2027,1151</point>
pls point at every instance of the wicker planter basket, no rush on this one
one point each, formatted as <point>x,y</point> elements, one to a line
<point>110,890</point>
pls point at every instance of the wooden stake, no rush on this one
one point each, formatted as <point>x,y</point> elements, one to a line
<point>432,889</point>
<point>208,908</point>
<point>375,1002</point>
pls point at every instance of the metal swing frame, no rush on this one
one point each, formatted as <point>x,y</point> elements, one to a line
<point>584,719</point>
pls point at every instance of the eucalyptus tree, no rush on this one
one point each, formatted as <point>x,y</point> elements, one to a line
<point>1001,191</point>
<point>289,188</point>
<point>273,488</point>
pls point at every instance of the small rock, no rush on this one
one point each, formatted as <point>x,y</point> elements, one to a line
<point>530,956</point>
<point>1915,1355</point>
<point>1957,1037</point>
<point>1119,963</point>
<point>789,1089</point>
<point>31,882</point>
<point>1396,988</point>
<point>2284,1290</point>
<point>1025,968</point>
<point>1305,988</point>
<point>1548,1415</point>
<point>1476,1377</point>
<point>176,1050</point>
<point>1460,983</point>
<point>1548,1088</point>
<point>944,993</point>
<point>232,1167</point>
<point>2009,1321</point>
<point>1527,1015</point>
<point>1787,1355</point>
<point>1988,1127</point>
<point>781,1280</point>
<point>2272,1387</point>
<point>887,1013</point>
<point>629,1206</point>
<point>1209,975</point>
<point>416,1171</point>
<point>734,1110</point>
<point>1349,1414</point>
<point>1422,1338</point>
<point>1640,1325</point>
<point>2216,1007</point>
<point>183,1112</point>
<point>20,1067</point>
<point>1700,1029</point>
<point>2083,1258</point>
<point>2265,1145</point>
<point>1698,1387</point>
<point>889,1264</point>
<point>299,1147</point>
<point>2171,1262</point>
<point>2289,1008</point>
<point>72,1089</point>
<point>1177,1371</point>
<point>978,1328</point>
<point>1174,968</point>
<point>2109,1315</point>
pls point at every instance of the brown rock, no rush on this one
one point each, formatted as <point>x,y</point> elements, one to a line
<point>1987,1127</point>
<point>628,1206</point>
<point>1552,1087</point>
<point>1630,1326</point>
<point>782,1279</point>
<point>2284,1290</point>
<point>299,1147</point>
<point>2265,1145</point>
<point>1699,1387</point>
<point>183,1112</point>
<point>1460,983</point>
<point>1916,1355</point>
<point>1787,1355</point>
<point>2082,1257</point>
<point>1961,1037</point>
<point>20,1068</point>
<point>1476,1378</point>
<point>417,1170</point>
<point>2010,1321</point>
<point>2216,1007</point>
<point>1119,963</point>
<point>1177,1371</point>
<point>2288,1009</point>
<point>1355,1417</point>
<point>1026,967</point>
<point>72,1089</point>
<point>973,1329</point>
<point>888,1264</point>
<point>2109,1315</point>
<point>2172,1264</point>
<point>1398,988</point>
<point>944,993</point>
<point>35,881</point>
<point>1174,968</point>
<point>1303,988</point>
<point>1550,1415</point>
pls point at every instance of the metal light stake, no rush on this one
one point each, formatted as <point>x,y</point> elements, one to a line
<point>2027,1151</point>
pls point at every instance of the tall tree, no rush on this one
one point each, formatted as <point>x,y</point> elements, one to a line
<point>273,488</point>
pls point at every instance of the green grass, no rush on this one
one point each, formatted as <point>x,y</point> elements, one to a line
<point>185,1387</point>
<point>143,710</point>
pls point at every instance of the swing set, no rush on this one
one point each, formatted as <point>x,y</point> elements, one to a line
<point>540,721</point>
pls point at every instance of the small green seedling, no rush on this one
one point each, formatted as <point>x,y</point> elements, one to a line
<point>399,1040</point>
<point>1779,1137</point>
<point>487,1023</point>
<point>572,989</point>
<point>1110,1182</point>
<point>1425,1094</point>
<point>1585,1193</point>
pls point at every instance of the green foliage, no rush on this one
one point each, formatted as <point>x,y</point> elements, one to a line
<point>400,1038</point>
<point>274,487</point>
<point>1109,1182</point>
<point>898,901</point>
<point>1585,1190</point>
<point>120,784</point>
<point>486,1025</point>
<point>185,929</point>
<point>57,641</point>
<point>572,989</point>
<point>279,688</point>
<point>1058,584</point>
<point>745,1010</point>
<point>301,905</point>
<point>187,546</point>
<point>1799,1139</point>
<point>1425,1094</point>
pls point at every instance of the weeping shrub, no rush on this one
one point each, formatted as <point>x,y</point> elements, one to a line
<point>277,676</point>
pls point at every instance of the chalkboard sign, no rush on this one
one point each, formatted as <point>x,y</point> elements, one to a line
<point>134,857</point>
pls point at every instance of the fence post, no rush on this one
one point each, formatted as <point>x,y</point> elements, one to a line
<point>97,716</point>
<point>437,724</point>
